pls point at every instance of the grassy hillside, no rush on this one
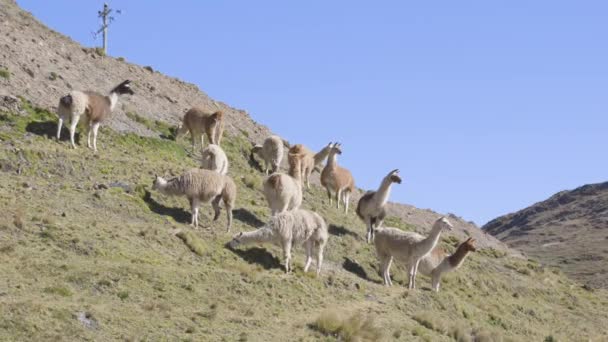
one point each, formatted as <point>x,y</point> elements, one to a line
<point>569,230</point>
<point>90,253</point>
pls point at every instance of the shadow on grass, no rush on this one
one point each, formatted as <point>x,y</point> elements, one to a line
<point>260,256</point>
<point>178,214</point>
<point>340,231</point>
<point>48,129</point>
<point>356,269</point>
<point>247,217</point>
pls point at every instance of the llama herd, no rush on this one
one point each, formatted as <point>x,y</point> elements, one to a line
<point>289,224</point>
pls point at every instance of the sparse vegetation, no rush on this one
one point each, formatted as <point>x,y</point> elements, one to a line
<point>357,327</point>
<point>4,73</point>
<point>120,248</point>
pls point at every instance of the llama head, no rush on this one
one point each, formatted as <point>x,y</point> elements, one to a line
<point>469,245</point>
<point>214,120</point>
<point>158,182</point>
<point>236,240</point>
<point>123,88</point>
<point>444,223</point>
<point>295,149</point>
<point>207,155</point>
<point>394,176</point>
<point>336,148</point>
<point>294,161</point>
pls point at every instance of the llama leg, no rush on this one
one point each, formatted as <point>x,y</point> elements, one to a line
<point>436,276</point>
<point>87,126</point>
<point>368,222</point>
<point>287,252</point>
<point>228,214</point>
<point>338,197</point>
<point>202,140</point>
<point>415,273</point>
<point>388,271</point>
<point>308,255</point>
<point>216,207</point>
<point>73,125</point>
<point>194,204</point>
<point>383,264</point>
<point>95,130</point>
<point>319,257</point>
<point>308,172</point>
<point>329,195</point>
<point>411,276</point>
<point>59,124</point>
<point>346,201</point>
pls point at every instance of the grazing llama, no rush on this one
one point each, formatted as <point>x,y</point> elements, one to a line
<point>287,229</point>
<point>201,186</point>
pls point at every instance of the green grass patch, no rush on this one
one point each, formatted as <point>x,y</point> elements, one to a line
<point>5,73</point>
<point>195,244</point>
<point>357,327</point>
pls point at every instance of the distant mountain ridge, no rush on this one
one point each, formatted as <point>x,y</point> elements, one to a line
<point>568,230</point>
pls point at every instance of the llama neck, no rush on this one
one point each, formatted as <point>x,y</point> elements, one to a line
<point>458,257</point>
<point>171,187</point>
<point>263,234</point>
<point>426,245</point>
<point>320,157</point>
<point>384,191</point>
<point>113,97</point>
<point>296,172</point>
<point>332,160</point>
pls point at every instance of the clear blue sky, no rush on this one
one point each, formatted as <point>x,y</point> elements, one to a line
<point>485,106</point>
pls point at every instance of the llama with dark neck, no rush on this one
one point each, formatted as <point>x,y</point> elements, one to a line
<point>95,107</point>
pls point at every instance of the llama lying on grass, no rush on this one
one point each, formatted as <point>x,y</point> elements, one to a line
<point>288,229</point>
<point>337,179</point>
<point>201,186</point>
<point>437,263</point>
<point>213,158</point>
<point>95,107</point>
<point>199,122</point>
<point>310,161</point>
<point>372,206</point>
<point>406,247</point>
<point>271,152</point>
<point>284,192</point>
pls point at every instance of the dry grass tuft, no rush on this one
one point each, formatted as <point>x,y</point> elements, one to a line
<point>357,327</point>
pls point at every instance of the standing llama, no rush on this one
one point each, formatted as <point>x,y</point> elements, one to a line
<point>213,158</point>
<point>288,229</point>
<point>201,186</point>
<point>337,179</point>
<point>200,122</point>
<point>436,263</point>
<point>284,191</point>
<point>310,161</point>
<point>406,247</point>
<point>95,107</point>
<point>271,152</point>
<point>372,206</point>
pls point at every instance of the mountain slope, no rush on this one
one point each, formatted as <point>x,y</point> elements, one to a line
<point>90,252</point>
<point>44,65</point>
<point>569,230</point>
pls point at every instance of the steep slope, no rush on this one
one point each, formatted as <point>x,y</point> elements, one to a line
<point>569,230</point>
<point>44,65</point>
<point>89,252</point>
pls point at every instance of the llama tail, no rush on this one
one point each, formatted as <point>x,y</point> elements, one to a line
<point>66,100</point>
